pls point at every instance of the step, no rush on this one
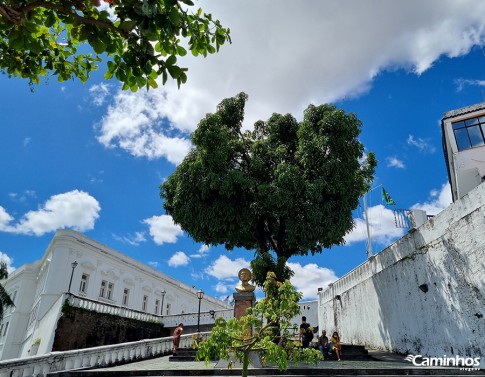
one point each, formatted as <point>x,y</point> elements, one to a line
<point>183,354</point>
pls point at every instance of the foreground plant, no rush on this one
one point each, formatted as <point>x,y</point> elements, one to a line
<point>265,329</point>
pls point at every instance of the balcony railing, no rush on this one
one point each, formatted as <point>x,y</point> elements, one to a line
<point>104,356</point>
<point>207,317</point>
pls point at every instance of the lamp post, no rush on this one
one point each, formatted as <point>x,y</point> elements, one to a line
<point>73,265</point>
<point>200,296</point>
<point>163,292</point>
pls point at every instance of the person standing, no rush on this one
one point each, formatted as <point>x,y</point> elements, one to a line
<point>176,337</point>
<point>306,333</point>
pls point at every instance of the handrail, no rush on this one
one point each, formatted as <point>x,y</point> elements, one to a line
<point>103,356</point>
<point>207,317</point>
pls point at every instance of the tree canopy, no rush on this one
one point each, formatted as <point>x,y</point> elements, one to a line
<point>141,38</point>
<point>236,338</point>
<point>286,188</point>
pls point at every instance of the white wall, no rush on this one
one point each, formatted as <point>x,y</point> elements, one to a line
<point>381,305</point>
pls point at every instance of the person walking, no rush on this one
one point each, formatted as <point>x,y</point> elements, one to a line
<point>306,333</point>
<point>176,337</point>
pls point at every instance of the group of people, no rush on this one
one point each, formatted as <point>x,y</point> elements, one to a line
<point>306,336</point>
<point>325,345</point>
<point>330,346</point>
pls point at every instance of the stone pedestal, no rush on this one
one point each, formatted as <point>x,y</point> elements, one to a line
<point>242,301</point>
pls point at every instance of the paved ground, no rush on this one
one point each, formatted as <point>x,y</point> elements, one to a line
<point>383,360</point>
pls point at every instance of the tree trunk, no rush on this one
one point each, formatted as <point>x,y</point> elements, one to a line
<point>245,363</point>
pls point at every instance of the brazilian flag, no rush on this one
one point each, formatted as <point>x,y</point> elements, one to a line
<point>386,198</point>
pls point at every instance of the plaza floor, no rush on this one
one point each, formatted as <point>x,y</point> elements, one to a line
<point>383,364</point>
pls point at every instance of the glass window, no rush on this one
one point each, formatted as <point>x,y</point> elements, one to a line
<point>476,137</point>
<point>471,122</point>
<point>145,302</point>
<point>84,283</point>
<point>469,133</point>
<point>462,140</point>
<point>109,293</point>
<point>102,289</point>
<point>458,125</point>
<point>126,294</point>
<point>168,309</point>
<point>157,306</point>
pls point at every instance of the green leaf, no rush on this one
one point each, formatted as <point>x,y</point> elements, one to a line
<point>181,51</point>
<point>174,16</point>
<point>172,59</point>
<point>127,25</point>
<point>174,71</point>
<point>98,45</point>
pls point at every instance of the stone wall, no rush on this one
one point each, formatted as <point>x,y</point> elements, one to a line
<point>424,294</point>
<point>80,328</point>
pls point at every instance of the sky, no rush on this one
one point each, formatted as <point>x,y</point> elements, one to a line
<point>90,157</point>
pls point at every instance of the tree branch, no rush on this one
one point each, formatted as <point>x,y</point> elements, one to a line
<point>17,15</point>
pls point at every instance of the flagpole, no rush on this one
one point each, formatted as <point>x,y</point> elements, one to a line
<point>369,240</point>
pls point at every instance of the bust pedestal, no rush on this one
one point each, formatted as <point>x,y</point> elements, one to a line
<point>242,301</point>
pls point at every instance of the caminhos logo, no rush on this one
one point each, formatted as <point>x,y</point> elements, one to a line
<point>466,363</point>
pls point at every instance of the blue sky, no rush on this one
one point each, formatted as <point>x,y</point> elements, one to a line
<point>91,157</point>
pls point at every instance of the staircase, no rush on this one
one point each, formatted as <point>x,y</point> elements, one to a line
<point>353,352</point>
<point>183,354</point>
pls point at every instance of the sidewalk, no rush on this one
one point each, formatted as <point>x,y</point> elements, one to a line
<point>383,361</point>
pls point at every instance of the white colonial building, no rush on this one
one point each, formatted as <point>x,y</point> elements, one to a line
<point>98,278</point>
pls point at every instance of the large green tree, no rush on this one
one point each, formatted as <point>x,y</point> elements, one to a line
<point>5,300</point>
<point>286,188</point>
<point>141,38</point>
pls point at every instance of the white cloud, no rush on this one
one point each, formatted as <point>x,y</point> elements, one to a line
<point>439,200</point>
<point>99,93</point>
<point>163,229</point>
<point>461,83</point>
<point>178,259</point>
<point>8,260</point>
<point>74,209</point>
<point>394,162</point>
<point>135,123</point>
<point>153,264</point>
<point>223,288</point>
<point>5,219</point>
<point>131,239</point>
<point>309,278</point>
<point>283,71</point>
<point>225,268</point>
<point>202,252</point>
<point>423,145</point>
<point>26,141</point>
<point>382,227</point>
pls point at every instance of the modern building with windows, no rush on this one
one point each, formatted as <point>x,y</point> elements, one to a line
<point>464,148</point>
<point>96,275</point>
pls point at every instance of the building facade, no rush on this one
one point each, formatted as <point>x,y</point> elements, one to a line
<point>87,269</point>
<point>464,148</point>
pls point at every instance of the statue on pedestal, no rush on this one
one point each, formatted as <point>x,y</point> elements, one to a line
<point>245,275</point>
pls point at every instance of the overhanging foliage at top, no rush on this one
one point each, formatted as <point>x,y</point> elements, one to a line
<point>143,37</point>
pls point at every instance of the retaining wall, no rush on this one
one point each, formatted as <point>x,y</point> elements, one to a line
<point>424,294</point>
